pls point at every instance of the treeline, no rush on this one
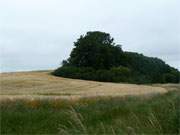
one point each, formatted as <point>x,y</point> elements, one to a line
<point>96,57</point>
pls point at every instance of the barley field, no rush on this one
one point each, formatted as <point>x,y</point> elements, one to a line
<point>44,85</point>
<point>39,103</point>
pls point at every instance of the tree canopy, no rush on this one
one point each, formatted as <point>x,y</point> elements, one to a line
<point>95,56</point>
<point>95,49</point>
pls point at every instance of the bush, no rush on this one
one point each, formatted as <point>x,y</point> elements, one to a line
<point>119,74</point>
<point>171,78</point>
<point>66,72</point>
<point>103,75</point>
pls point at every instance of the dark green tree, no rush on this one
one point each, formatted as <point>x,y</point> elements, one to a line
<point>96,57</point>
<point>95,49</point>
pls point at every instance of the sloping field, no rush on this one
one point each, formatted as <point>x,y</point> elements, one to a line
<point>43,85</point>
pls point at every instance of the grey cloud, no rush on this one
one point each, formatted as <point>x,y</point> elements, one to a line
<point>43,31</point>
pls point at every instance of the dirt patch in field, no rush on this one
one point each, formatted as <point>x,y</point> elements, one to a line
<point>43,85</point>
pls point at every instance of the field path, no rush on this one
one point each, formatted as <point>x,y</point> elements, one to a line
<point>43,85</point>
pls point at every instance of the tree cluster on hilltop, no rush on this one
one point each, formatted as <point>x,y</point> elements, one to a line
<point>95,56</point>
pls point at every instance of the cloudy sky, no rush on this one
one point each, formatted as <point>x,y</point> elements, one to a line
<point>39,34</point>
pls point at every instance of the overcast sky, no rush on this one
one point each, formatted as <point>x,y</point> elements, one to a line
<point>39,34</point>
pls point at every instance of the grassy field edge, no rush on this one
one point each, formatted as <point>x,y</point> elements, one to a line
<point>159,114</point>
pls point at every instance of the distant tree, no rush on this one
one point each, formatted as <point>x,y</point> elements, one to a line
<point>65,63</point>
<point>96,57</point>
<point>95,49</point>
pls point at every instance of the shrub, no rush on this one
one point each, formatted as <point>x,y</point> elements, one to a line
<point>171,78</point>
<point>119,74</point>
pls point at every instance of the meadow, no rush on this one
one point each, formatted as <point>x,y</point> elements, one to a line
<point>26,109</point>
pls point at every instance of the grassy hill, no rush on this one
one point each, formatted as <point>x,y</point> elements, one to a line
<point>39,103</point>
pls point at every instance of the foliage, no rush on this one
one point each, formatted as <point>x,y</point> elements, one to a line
<point>96,50</point>
<point>115,74</point>
<point>96,57</point>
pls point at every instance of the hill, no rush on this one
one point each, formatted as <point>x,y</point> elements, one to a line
<point>39,103</point>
